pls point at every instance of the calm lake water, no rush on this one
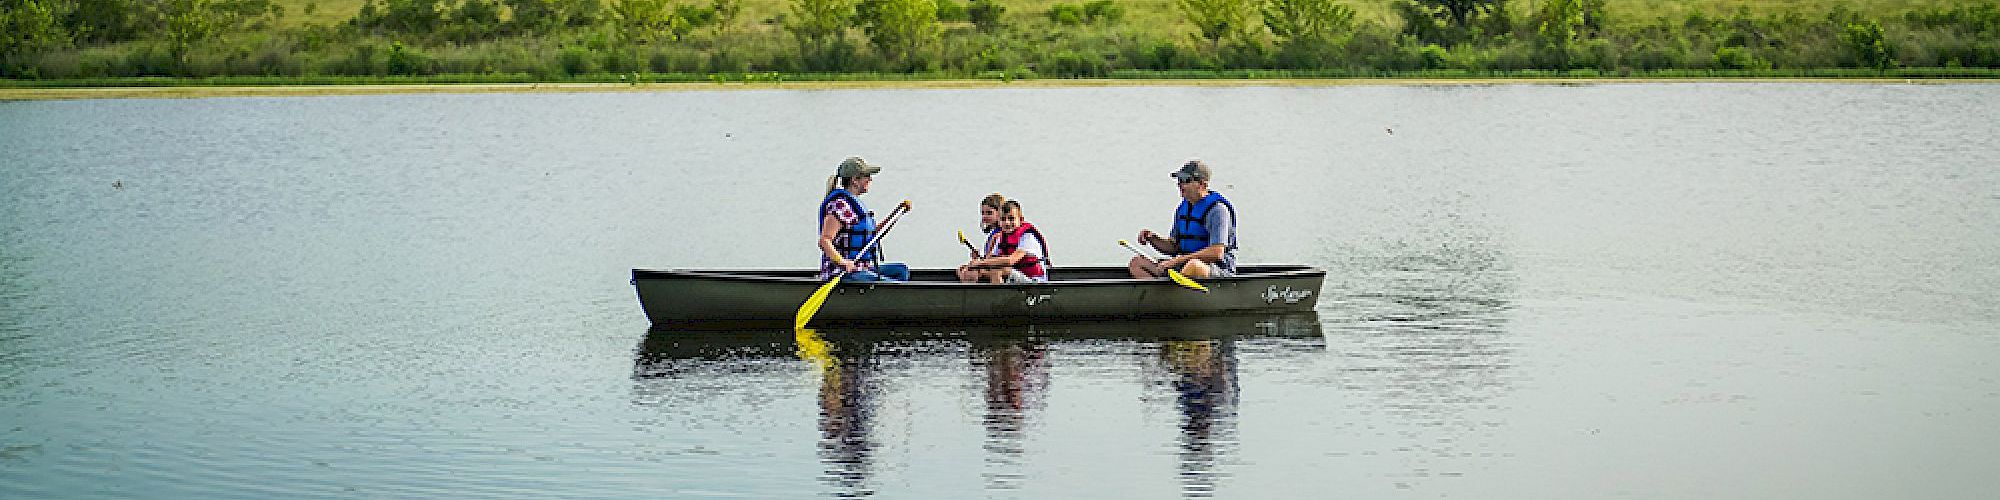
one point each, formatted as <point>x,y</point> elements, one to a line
<point>1652,291</point>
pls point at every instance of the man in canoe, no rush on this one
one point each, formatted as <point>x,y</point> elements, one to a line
<point>845,226</point>
<point>1203,241</point>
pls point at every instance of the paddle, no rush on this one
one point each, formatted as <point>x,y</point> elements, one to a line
<point>813,348</point>
<point>1180,279</point>
<point>968,244</point>
<point>818,297</point>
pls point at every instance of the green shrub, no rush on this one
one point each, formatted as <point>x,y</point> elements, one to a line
<point>950,11</point>
<point>407,61</point>
<point>1066,14</point>
<point>1163,56</point>
<point>1864,43</point>
<point>575,60</point>
<point>1739,58</point>
<point>985,14</point>
<point>1102,11</point>
<point>1432,56</point>
<point>1070,63</point>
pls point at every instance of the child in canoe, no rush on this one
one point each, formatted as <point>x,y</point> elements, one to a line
<point>1020,255</point>
<point>989,222</point>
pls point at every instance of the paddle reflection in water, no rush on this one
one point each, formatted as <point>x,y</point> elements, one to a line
<point>846,411</point>
<point>1189,364</point>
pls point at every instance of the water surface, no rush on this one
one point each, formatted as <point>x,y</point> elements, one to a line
<point>1664,291</point>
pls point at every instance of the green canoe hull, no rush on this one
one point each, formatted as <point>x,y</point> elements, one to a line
<point>772,297</point>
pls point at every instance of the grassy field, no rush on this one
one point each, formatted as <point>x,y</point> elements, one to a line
<point>1163,16</point>
<point>1633,39</point>
<point>168,88</point>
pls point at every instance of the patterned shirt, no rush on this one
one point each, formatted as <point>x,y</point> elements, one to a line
<point>848,215</point>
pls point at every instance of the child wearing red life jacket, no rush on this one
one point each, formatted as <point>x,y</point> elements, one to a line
<point>1021,255</point>
<point>989,223</point>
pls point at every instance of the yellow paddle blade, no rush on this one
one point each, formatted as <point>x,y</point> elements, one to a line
<point>1185,281</point>
<point>811,307</point>
<point>961,238</point>
<point>814,349</point>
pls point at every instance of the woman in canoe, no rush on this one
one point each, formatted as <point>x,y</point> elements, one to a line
<point>1021,254</point>
<point>989,222</point>
<point>846,226</point>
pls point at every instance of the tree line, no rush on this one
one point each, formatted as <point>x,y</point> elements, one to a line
<point>568,39</point>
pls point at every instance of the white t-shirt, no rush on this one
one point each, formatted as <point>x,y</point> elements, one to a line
<point>1033,246</point>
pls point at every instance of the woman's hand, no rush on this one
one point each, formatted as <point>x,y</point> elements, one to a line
<point>850,266</point>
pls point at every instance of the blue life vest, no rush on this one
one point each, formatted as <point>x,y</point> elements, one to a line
<point>850,239</point>
<point>1191,224</point>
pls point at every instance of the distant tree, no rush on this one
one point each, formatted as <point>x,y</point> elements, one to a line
<point>820,27</point>
<point>27,27</point>
<point>951,12</point>
<point>104,20</point>
<point>1306,20</point>
<point>582,12</point>
<point>1864,42</point>
<point>641,22</point>
<point>726,12</point>
<point>188,24</point>
<point>405,16</point>
<point>475,20</point>
<point>1448,22</point>
<point>1558,25</point>
<point>1460,12</point>
<point>535,16</point>
<point>1306,29</point>
<point>255,14</point>
<point>985,14</point>
<point>899,28</point>
<point>1216,20</point>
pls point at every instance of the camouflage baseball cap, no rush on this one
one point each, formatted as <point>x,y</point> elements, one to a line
<point>854,166</point>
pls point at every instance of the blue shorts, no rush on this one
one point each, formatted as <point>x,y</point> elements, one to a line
<point>888,271</point>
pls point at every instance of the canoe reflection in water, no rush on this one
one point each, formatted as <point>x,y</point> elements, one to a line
<point>1191,362</point>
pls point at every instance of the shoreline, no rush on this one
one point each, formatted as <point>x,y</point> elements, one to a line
<point>9,93</point>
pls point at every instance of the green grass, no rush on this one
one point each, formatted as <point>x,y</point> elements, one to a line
<point>773,78</point>
<point>1161,16</point>
<point>1639,39</point>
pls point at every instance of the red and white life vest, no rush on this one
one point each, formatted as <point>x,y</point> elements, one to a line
<point>1032,266</point>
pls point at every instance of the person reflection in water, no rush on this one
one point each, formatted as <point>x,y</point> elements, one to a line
<point>1203,375</point>
<point>1016,373</point>
<point>846,411</point>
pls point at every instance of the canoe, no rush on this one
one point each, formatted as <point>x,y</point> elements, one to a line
<point>760,298</point>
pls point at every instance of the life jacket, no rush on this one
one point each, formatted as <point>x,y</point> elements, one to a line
<point>1032,266</point>
<point>1191,224</point>
<point>850,238</point>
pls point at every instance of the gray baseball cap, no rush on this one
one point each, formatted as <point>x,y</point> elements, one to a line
<point>854,166</point>
<point>1193,170</point>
